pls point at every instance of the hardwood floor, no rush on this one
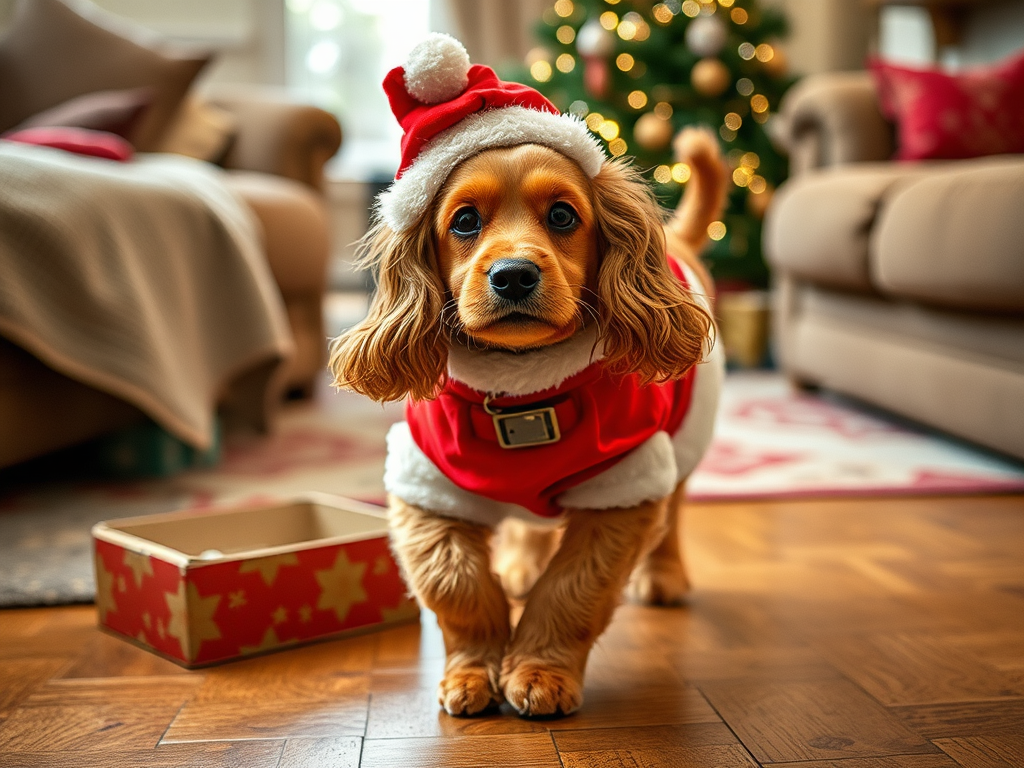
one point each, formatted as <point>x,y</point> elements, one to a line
<point>824,634</point>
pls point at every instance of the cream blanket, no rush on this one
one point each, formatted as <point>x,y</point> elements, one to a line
<point>146,280</point>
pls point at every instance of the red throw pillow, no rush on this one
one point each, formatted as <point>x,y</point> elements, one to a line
<point>78,140</point>
<point>970,113</point>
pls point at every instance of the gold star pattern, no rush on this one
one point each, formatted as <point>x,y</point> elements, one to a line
<point>141,566</point>
<point>305,614</point>
<point>147,620</point>
<point>105,602</point>
<point>236,599</point>
<point>280,616</point>
<point>161,632</point>
<point>341,586</point>
<point>268,643</point>
<point>268,566</point>
<point>203,627</point>
<point>122,586</point>
<point>381,566</point>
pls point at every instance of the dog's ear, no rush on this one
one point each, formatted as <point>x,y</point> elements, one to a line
<point>649,324</point>
<point>399,349</point>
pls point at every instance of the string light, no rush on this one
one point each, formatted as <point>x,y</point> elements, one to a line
<point>681,173</point>
<point>565,34</point>
<point>726,134</point>
<point>746,51</point>
<point>663,174</point>
<point>579,108</point>
<point>716,230</point>
<point>764,52</point>
<point>540,71</point>
<point>739,16</point>
<point>565,62</point>
<point>761,117</point>
<point>750,160</point>
<point>726,3</point>
<point>637,99</point>
<point>745,86</point>
<point>691,8</point>
<point>617,147</point>
<point>759,103</point>
<point>663,110</point>
<point>564,8</point>
<point>733,121</point>
<point>609,130</point>
<point>624,62</point>
<point>741,177</point>
<point>662,13</point>
<point>609,20</point>
<point>626,30</point>
<point>594,121</point>
<point>757,184</point>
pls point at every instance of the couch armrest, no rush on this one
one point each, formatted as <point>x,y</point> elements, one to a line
<point>277,134</point>
<point>833,119</point>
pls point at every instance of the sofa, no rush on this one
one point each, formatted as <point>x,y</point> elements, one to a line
<point>900,284</point>
<point>273,159</point>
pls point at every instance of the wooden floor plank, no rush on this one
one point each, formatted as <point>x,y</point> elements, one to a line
<point>897,761</point>
<point>252,754</point>
<point>791,721</point>
<point>322,753</point>
<point>1005,750</point>
<point>681,746</point>
<point>529,750</point>
<point>969,718</point>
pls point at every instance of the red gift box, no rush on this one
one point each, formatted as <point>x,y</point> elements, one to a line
<point>201,587</point>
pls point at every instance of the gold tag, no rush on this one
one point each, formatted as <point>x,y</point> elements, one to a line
<point>526,428</point>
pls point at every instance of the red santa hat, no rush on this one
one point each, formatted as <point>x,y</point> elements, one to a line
<point>450,111</point>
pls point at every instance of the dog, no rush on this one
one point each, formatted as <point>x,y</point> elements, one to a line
<point>554,337</point>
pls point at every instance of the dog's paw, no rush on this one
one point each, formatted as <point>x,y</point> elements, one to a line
<point>658,582</point>
<point>468,691</point>
<point>535,689</point>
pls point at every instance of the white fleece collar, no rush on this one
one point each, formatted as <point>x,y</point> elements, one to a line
<point>523,373</point>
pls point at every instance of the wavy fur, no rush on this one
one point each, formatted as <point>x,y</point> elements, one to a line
<point>649,324</point>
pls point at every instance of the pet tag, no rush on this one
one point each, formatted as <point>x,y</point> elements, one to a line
<point>524,428</point>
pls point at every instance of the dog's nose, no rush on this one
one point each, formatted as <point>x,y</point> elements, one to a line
<point>513,279</point>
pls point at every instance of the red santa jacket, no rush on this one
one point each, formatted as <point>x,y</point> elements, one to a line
<point>601,417</point>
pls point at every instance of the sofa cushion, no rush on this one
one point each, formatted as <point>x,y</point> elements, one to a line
<point>955,237</point>
<point>51,53</point>
<point>116,112</point>
<point>818,225</point>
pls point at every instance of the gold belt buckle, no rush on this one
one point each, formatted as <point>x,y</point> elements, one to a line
<point>524,428</point>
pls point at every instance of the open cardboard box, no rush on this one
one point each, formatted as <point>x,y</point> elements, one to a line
<point>202,587</point>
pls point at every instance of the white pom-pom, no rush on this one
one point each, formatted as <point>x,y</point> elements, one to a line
<point>437,69</point>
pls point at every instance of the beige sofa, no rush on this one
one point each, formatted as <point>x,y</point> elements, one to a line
<point>899,284</point>
<point>274,162</point>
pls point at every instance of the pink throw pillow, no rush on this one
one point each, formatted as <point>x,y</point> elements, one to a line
<point>78,140</point>
<point>975,112</point>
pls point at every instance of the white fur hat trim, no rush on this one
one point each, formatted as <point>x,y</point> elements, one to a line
<point>437,69</point>
<point>401,205</point>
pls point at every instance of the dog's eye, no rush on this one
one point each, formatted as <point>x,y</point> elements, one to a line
<point>466,223</point>
<point>562,216</point>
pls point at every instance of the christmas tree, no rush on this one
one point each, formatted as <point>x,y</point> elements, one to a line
<point>638,72</point>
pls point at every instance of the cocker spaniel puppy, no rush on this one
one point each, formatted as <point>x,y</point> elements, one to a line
<point>554,339</point>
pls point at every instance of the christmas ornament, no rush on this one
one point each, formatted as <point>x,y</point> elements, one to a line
<point>594,44</point>
<point>706,35</point>
<point>653,133</point>
<point>594,40</point>
<point>710,77</point>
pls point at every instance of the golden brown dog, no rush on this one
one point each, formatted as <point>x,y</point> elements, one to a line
<point>588,255</point>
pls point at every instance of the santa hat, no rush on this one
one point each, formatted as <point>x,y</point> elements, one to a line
<point>450,111</point>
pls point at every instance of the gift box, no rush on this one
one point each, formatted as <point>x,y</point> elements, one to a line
<point>202,587</point>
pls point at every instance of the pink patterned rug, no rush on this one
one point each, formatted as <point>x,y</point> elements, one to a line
<point>771,443</point>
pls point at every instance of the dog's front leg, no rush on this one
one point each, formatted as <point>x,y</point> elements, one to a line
<point>447,566</point>
<point>571,604</point>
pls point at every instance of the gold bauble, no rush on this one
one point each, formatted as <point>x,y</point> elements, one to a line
<point>758,203</point>
<point>710,77</point>
<point>653,133</point>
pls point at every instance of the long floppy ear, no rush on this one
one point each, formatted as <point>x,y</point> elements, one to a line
<point>650,326</point>
<point>399,348</point>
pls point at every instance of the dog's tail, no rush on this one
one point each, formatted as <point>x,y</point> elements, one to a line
<point>704,198</point>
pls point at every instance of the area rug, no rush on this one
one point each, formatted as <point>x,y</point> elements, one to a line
<point>771,443</point>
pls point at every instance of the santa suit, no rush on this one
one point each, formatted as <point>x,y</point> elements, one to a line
<point>620,443</point>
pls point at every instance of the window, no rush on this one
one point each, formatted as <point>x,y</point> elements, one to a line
<point>338,52</point>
